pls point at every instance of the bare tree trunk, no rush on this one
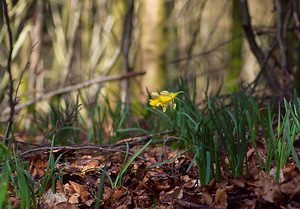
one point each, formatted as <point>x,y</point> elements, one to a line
<point>125,46</point>
<point>35,56</point>
<point>153,41</point>
<point>235,49</point>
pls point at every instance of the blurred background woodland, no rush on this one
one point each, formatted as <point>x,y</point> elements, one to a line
<point>64,49</point>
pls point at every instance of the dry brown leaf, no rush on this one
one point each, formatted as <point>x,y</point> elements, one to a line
<point>248,204</point>
<point>239,183</point>
<point>85,196</point>
<point>273,172</point>
<point>124,202</point>
<point>268,189</point>
<point>16,202</point>
<point>91,164</point>
<point>64,205</point>
<point>289,206</point>
<point>189,182</point>
<point>74,199</point>
<point>38,167</point>
<point>143,201</point>
<point>159,180</point>
<point>221,198</point>
<point>253,169</point>
<point>291,188</point>
<point>250,152</point>
<point>107,194</point>
<point>50,199</point>
<point>168,197</point>
<point>89,202</point>
<point>59,186</point>
<point>164,186</point>
<point>68,189</point>
<point>185,178</point>
<point>118,193</point>
<point>78,188</point>
<point>207,199</point>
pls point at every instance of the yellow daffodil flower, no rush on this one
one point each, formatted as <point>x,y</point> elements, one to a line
<point>163,99</point>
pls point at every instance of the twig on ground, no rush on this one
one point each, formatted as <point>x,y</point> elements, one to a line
<point>139,139</point>
<point>114,147</point>
<point>186,204</point>
<point>65,149</point>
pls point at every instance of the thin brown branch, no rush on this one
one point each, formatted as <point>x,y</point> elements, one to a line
<point>9,71</point>
<point>254,83</point>
<point>109,147</point>
<point>143,138</point>
<point>215,25</point>
<point>194,36</point>
<point>36,53</point>
<point>125,46</point>
<point>205,53</point>
<point>255,48</point>
<point>261,31</point>
<point>247,26</point>
<point>186,204</point>
<point>65,149</point>
<point>76,87</point>
<point>296,18</point>
<point>279,31</point>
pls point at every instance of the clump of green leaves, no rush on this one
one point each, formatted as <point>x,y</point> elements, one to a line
<point>127,162</point>
<point>61,121</point>
<point>13,172</point>
<point>220,134</point>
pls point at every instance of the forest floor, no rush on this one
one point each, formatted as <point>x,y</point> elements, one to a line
<point>158,178</point>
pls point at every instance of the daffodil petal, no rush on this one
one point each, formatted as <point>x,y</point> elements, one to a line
<point>154,95</point>
<point>164,108</point>
<point>174,105</point>
<point>164,93</point>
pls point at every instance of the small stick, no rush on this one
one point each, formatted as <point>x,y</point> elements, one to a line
<point>11,100</point>
<point>108,148</point>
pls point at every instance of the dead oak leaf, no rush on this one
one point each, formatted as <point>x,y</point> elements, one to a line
<point>189,183</point>
<point>221,198</point>
<point>78,188</point>
<point>123,202</point>
<point>90,165</point>
<point>64,205</point>
<point>268,189</point>
<point>207,199</point>
<point>143,201</point>
<point>159,180</point>
<point>168,197</point>
<point>238,183</point>
<point>50,199</point>
<point>74,199</point>
<point>290,206</point>
<point>291,188</point>
<point>82,190</point>
<point>119,192</point>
